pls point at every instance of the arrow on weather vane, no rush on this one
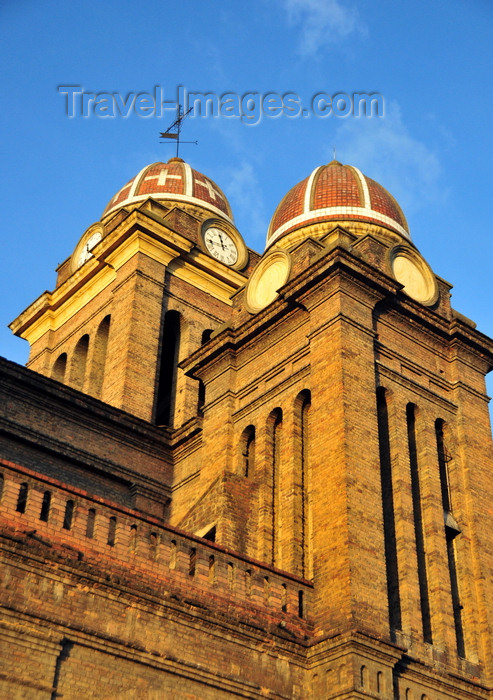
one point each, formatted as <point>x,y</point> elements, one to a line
<point>175,135</point>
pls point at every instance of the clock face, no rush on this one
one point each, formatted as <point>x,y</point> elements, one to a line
<point>221,246</point>
<point>85,253</point>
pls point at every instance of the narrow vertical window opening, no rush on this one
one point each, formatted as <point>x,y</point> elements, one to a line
<point>284,598</point>
<point>393,593</point>
<point>303,531</point>
<point>45,507</point>
<point>301,604</point>
<point>112,531</point>
<point>133,537</point>
<point>192,561</point>
<point>418,524</point>
<point>248,451</point>
<point>379,682</point>
<point>69,514</point>
<point>168,368</point>
<point>276,423</point>
<point>201,398</point>
<point>172,554</point>
<point>91,519</point>
<point>201,395</point>
<point>451,532</point>
<point>266,589</point>
<point>153,545</point>
<point>248,582</point>
<point>22,498</point>
<point>231,574</point>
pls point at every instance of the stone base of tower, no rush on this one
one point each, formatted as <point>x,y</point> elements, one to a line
<point>160,613</point>
<point>357,666</point>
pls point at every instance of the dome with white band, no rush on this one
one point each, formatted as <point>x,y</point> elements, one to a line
<point>172,181</point>
<point>338,193</point>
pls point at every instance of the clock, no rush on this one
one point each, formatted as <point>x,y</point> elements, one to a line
<point>221,245</point>
<point>83,250</point>
<point>87,246</point>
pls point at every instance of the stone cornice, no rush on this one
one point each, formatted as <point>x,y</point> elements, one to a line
<point>139,232</point>
<point>294,296</point>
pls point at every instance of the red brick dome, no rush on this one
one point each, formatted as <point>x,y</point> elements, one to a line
<point>172,181</point>
<point>336,192</point>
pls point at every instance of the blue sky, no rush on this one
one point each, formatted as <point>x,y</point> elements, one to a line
<point>432,62</point>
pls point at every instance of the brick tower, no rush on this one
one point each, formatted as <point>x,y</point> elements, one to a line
<point>247,476</point>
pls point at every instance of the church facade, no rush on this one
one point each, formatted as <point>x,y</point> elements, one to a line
<point>233,475</point>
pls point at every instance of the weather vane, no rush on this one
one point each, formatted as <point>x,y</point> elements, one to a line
<point>173,131</point>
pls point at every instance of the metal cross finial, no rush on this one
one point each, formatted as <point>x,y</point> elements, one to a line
<point>169,134</point>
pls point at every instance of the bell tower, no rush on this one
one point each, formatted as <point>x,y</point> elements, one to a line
<point>357,443</point>
<point>310,513</point>
<point>143,288</point>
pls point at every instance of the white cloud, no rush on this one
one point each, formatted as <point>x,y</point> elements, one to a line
<point>322,21</point>
<point>384,149</point>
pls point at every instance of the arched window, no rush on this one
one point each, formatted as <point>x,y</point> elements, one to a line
<point>59,367</point>
<point>78,363</point>
<point>302,482</point>
<point>364,677</point>
<point>247,447</point>
<point>275,428</point>
<point>380,682</point>
<point>99,357</point>
<point>133,537</point>
<point>168,368</point>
